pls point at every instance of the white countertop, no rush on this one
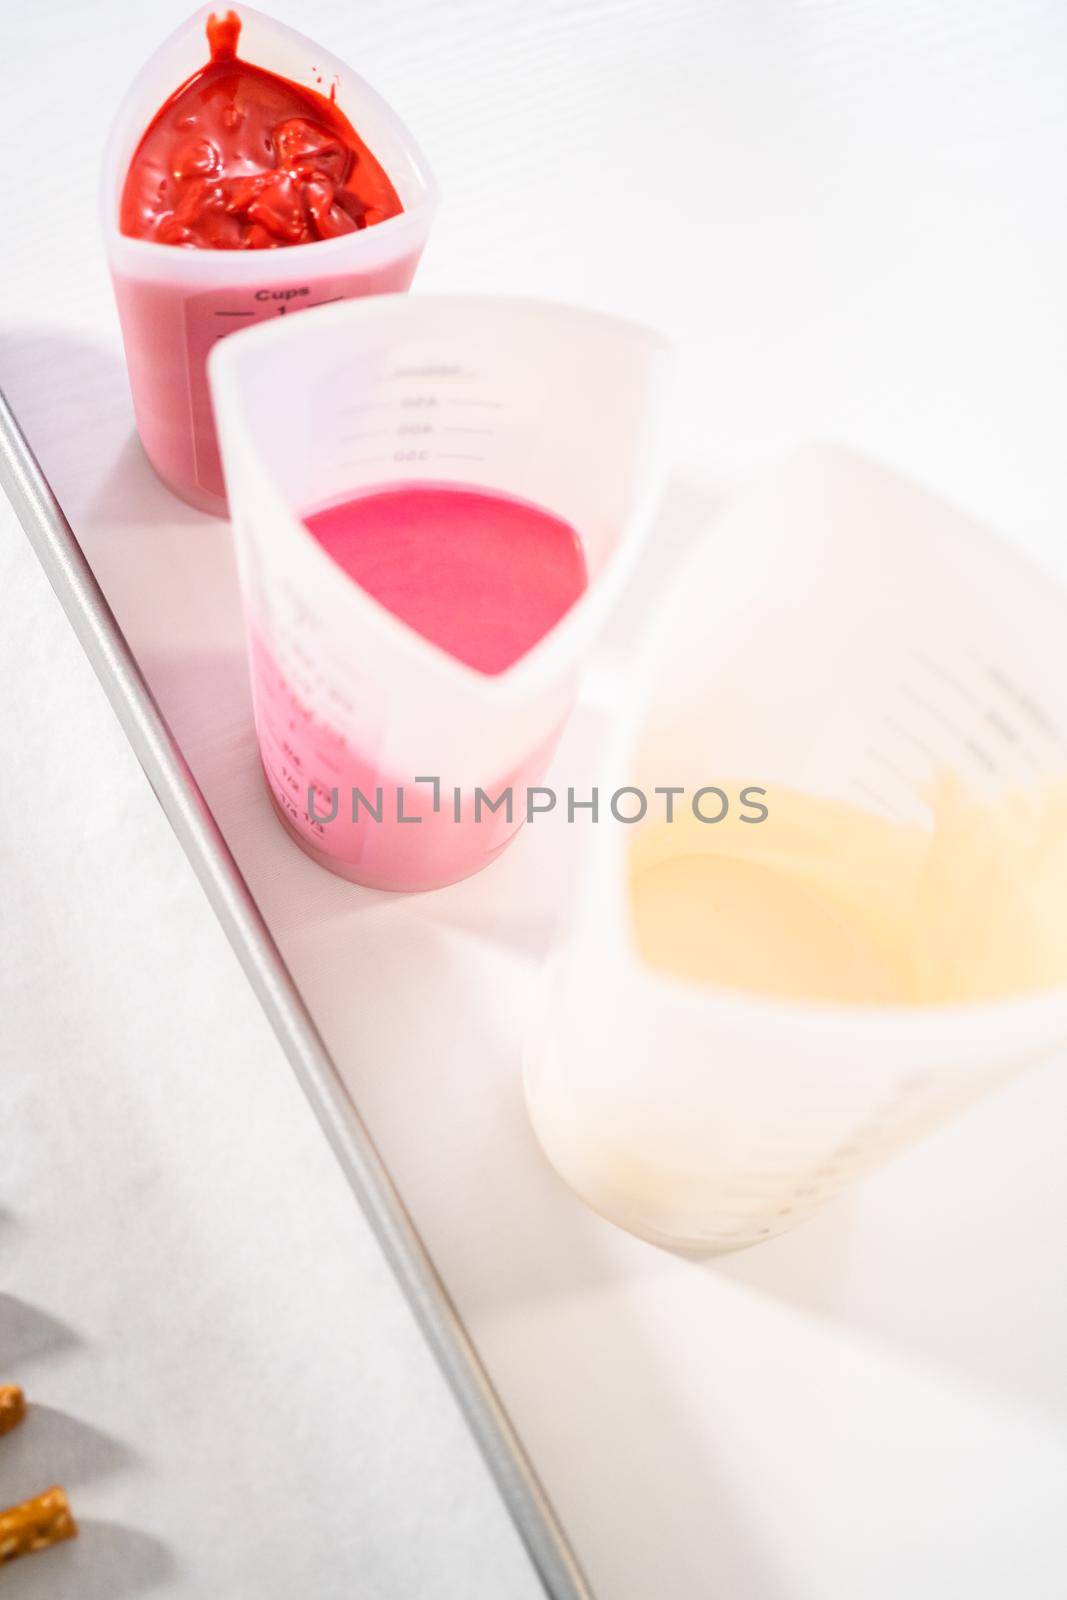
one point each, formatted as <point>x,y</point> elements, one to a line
<point>851,219</point>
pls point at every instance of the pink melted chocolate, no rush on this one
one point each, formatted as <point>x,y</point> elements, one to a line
<point>479,574</point>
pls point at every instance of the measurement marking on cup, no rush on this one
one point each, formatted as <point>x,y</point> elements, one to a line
<point>456,455</point>
<point>934,711</point>
<point>1024,702</point>
<point>456,400</point>
<point>280,785</point>
<point>330,302</point>
<point>434,370</point>
<point>970,744</point>
<point>455,428</point>
<point>879,799</point>
<point>235,313</point>
<point>912,738</point>
<point>983,757</point>
<point>1005,729</point>
<point>948,677</point>
<point>1010,736</point>
<point>906,778</point>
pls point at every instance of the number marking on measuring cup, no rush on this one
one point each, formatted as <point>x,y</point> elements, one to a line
<point>952,719</point>
<point>419,412</point>
<point>217,313</point>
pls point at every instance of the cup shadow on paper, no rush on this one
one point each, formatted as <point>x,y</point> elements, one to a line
<point>66,1449</point>
<point>28,1333</point>
<point>925,1289</point>
<point>71,398</point>
<point>107,1561</point>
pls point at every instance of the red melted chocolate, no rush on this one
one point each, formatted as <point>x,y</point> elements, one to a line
<point>240,159</point>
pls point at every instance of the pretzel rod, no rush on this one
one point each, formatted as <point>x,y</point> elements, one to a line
<point>12,1407</point>
<point>35,1524</point>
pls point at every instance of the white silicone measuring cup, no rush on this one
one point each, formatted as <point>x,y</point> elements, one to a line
<point>848,635</point>
<point>558,407</point>
<point>175,304</point>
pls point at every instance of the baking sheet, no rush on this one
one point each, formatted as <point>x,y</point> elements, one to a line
<point>874,1403</point>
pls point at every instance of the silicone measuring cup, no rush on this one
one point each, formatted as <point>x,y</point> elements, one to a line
<point>557,407</point>
<point>175,304</point>
<point>846,635</point>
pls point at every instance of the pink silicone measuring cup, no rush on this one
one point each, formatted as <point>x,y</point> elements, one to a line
<point>175,304</point>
